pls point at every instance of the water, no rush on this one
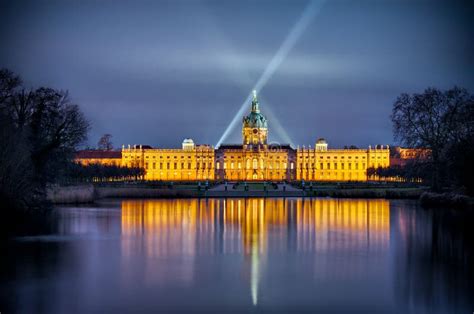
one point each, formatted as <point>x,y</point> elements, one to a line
<point>243,256</point>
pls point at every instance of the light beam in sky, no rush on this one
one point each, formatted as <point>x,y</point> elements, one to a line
<point>298,29</point>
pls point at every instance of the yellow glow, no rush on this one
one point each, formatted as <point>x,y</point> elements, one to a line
<point>174,227</point>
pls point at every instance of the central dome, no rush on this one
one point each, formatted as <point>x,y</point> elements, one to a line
<point>254,126</point>
<point>255,119</point>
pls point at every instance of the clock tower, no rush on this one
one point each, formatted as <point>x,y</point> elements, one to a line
<point>254,125</point>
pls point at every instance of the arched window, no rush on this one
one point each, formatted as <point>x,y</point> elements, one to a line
<point>248,164</point>
<point>255,164</point>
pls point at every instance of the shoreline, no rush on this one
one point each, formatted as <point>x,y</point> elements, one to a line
<point>89,193</point>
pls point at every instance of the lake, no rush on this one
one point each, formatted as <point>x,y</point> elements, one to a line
<point>258,255</point>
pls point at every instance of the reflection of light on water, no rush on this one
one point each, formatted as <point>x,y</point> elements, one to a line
<point>254,276</point>
<point>185,229</point>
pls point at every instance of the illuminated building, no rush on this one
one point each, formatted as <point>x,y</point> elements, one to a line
<point>254,159</point>
<point>401,156</point>
<point>90,157</point>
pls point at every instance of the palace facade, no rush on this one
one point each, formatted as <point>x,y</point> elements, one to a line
<point>254,159</point>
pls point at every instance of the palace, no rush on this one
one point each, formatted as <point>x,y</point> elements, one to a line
<point>254,159</point>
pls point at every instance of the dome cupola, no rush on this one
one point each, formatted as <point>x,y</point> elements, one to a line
<point>254,125</point>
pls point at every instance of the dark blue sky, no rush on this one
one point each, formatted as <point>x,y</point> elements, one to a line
<point>154,72</point>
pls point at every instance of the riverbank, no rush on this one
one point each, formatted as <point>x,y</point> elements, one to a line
<point>440,200</point>
<point>89,193</point>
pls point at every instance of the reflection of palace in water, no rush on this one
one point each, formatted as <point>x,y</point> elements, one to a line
<point>190,227</point>
<point>236,225</point>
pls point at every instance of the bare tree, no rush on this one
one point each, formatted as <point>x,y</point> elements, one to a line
<point>57,127</point>
<point>9,81</point>
<point>435,120</point>
<point>39,131</point>
<point>105,142</point>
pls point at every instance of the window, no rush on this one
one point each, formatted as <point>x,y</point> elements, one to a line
<point>239,165</point>
<point>175,166</point>
<point>161,165</point>
<point>182,165</point>
<point>321,166</point>
<point>255,164</point>
<point>335,165</point>
<point>363,165</point>
<point>189,165</point>
<point>342,166</point>
<point>329,165</point>
<point>232,165</point>
<point>146,165</point>
<point>167,165</point>
<point>357,166</point>
<point>154,165</point>
<point>217,165</point>
<point>350,166</point>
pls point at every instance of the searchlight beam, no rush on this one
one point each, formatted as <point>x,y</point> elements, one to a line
<point>298,29</point>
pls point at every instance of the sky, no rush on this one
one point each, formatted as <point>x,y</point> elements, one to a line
<point>156,72</point>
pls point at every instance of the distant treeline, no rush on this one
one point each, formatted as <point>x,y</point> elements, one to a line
<point>411,171</point>
<point>77,173</point>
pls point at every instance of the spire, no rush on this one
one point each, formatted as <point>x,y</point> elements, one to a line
<point>255,102</point>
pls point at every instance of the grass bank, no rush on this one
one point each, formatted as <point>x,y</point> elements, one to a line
<point>389,193</point>
<point>73,194</point>
<point>446,200</point>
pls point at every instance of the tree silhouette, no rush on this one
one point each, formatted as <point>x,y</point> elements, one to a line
<point>437,120</point>
<point>105,142</point>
